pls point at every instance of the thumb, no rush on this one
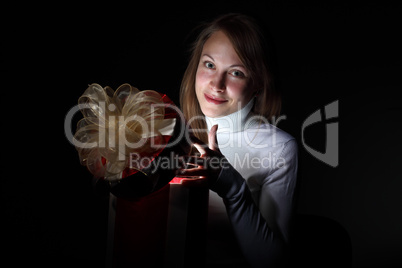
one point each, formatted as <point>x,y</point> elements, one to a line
<point>212,140</point>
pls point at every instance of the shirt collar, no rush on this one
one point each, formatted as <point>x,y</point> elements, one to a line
<point>233,122</point>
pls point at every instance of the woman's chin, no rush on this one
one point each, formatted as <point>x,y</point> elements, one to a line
<point>212,114</point>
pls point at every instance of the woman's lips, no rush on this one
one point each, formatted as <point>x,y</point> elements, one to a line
<point>214,100</point>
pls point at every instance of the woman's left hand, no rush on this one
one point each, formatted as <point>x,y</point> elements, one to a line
<point>209,164</point>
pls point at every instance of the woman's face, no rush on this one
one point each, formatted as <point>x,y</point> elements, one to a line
<point>221,82</point>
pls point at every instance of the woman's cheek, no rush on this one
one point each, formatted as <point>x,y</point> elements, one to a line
<point>201,78</point>
<point>236,87</point>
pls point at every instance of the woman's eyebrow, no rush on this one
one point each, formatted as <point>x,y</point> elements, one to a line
<point>209,56</point>
<point>238,65</point>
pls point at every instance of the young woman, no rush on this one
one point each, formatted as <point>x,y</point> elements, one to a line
<point>227,95</point>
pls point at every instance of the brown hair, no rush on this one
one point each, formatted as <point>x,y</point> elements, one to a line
<point>249,44</point>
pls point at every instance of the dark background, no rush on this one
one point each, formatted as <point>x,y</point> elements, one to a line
<point>325,52</point>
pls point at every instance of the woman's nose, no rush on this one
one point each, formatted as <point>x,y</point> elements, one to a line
<point>217,82</point>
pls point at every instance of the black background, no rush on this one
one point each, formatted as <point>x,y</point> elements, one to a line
<point>324,52</point>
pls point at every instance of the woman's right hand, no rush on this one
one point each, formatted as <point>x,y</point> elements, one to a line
<point>210,162</point>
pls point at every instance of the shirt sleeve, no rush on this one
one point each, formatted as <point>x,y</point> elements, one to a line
<point>262,231</point>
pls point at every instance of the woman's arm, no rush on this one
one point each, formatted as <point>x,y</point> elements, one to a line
<point>276,201</point>
<point>261,246</point>
<point>263,231</point>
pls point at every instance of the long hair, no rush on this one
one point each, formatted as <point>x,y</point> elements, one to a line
<point>249,44</point>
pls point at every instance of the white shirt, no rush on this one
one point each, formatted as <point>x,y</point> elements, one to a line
<point>254,194</point>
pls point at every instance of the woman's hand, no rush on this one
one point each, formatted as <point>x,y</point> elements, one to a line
<point>209,164</point>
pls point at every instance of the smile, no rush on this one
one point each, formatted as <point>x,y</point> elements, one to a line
<point>214,100</point>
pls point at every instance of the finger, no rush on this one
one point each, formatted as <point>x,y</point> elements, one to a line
<point>192,160</point>
<point>194,139</point>
<point>212,140</point>
<point>200,149</point>
<point>192,172</point>
<point>200,143</point>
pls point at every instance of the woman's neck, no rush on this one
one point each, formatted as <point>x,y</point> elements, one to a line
<point>233,122</point>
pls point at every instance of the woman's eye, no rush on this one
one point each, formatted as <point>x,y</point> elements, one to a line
<point>209,65</point>
<point>237,73</point>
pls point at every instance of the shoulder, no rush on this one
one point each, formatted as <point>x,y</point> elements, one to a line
<point>270,142</point>
<point>266,135</point>
<point>278,151</point>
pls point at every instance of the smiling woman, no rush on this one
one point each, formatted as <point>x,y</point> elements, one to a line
<point>227,96</point>
<point>237,39</point>
<point>222,82</point>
